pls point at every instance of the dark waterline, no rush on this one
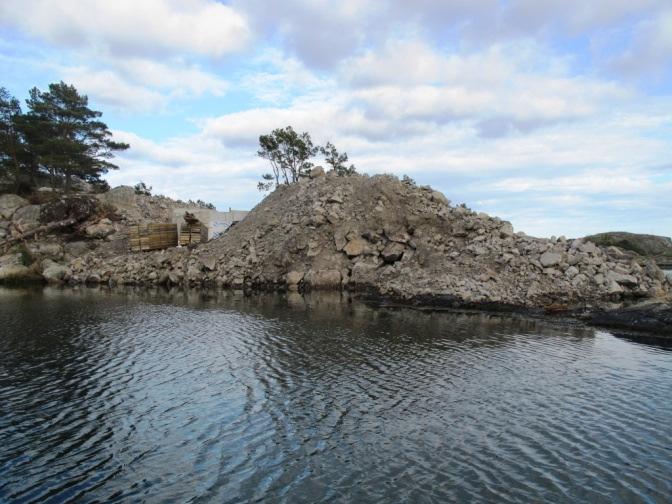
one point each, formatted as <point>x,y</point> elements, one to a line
<point>182,397</point>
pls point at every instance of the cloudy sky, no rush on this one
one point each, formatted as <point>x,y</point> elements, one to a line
<point>553,114</point>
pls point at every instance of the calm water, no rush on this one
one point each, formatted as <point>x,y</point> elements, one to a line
<point>183,398</point>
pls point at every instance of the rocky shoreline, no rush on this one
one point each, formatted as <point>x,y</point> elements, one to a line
<point>393,240</point>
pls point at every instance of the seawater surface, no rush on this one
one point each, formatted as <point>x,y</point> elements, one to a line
<point>188,397</point>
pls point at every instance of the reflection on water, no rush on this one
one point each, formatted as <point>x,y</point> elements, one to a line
<point>190,397</point>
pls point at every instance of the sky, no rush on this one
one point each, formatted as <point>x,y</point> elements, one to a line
<point>555,115</point>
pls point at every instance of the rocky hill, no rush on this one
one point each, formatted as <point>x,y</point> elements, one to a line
<point>384,236</point>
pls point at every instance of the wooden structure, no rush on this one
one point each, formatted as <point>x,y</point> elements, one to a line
<point>145,237</point>
<point>191,234</point>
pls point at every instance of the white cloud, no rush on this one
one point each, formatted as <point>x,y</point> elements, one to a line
<point>596,181</point>
<point>189,167</point>
<point>497,103</point>
<point>322,33</point>
<point>178,77</point>
<point>274,77</point>
<point>517,87</point>
<point>109,88</point>
<point>651,50</point>
<point>128,27</point>
<point>139,85</point>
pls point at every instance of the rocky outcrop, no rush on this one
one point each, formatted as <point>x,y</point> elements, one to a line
<point>381,235</point>
<point>658,248</point>
<point>62,228</point>
<point>9,203</point>
<point>647,317</point>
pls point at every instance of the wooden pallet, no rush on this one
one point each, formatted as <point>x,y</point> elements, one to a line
<point>152,237</point>
<point>190,234</point>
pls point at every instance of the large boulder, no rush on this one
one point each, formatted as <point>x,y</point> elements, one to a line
<point>316,172</point>
<point>323,279</point>
<point>293,278</point>
<point>54,273</point>
<point>69,207</point>
<point>439,197</point>
<point>12,268</point>
<point>356,247</point>
<point>122,196</point>
<point>27,217</point>
<point>549,259</point>
<point>101,229</point>
<point>9,203</point>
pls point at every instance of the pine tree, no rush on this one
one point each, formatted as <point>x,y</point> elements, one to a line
<point>289,153</point>
<point>12,145</point>
<point>337,161</point>
<point>67,136</point>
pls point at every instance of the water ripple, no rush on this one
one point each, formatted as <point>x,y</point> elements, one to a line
<point>187,397</point>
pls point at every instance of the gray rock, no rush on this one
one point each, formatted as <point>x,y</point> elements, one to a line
<point>439,197</point>
<point>323,279</point>
<point>613,287</point>
<point>100,230</point>
<point>588,247</point>
<point>55,273</point>
<point>571,272</point>
<point>12,268</point>
<point>77,249</point>
<point>45,249</point>
<point>28,217</point>
<point>209,262</point>
<point>579,280</point>
<point>340,240</point>
<point>622,279</point>
<point>548,259</point>
<point>506,230</point>
<point>293,278</point>
<point>9,203</point>
<point>356,247</point>
<point>392,252</point>
<point>123,196</point>
<point>335,198</point>
<point>316,172</point>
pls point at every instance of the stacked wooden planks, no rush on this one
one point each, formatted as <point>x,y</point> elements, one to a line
<point>152,237</point>
<point>190,234</point>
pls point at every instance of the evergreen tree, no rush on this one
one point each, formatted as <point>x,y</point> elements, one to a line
<point>289,153</point>
<point>67,137</point>
<point>337,161</point>
<point>12,145</point>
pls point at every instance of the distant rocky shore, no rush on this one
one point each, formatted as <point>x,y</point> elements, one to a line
<point>378,235</point>
<point>658,248</point>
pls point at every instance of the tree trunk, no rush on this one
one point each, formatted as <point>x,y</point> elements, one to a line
<point>40,229</point>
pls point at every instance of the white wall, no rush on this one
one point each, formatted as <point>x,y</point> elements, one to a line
<point>215,222</point>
